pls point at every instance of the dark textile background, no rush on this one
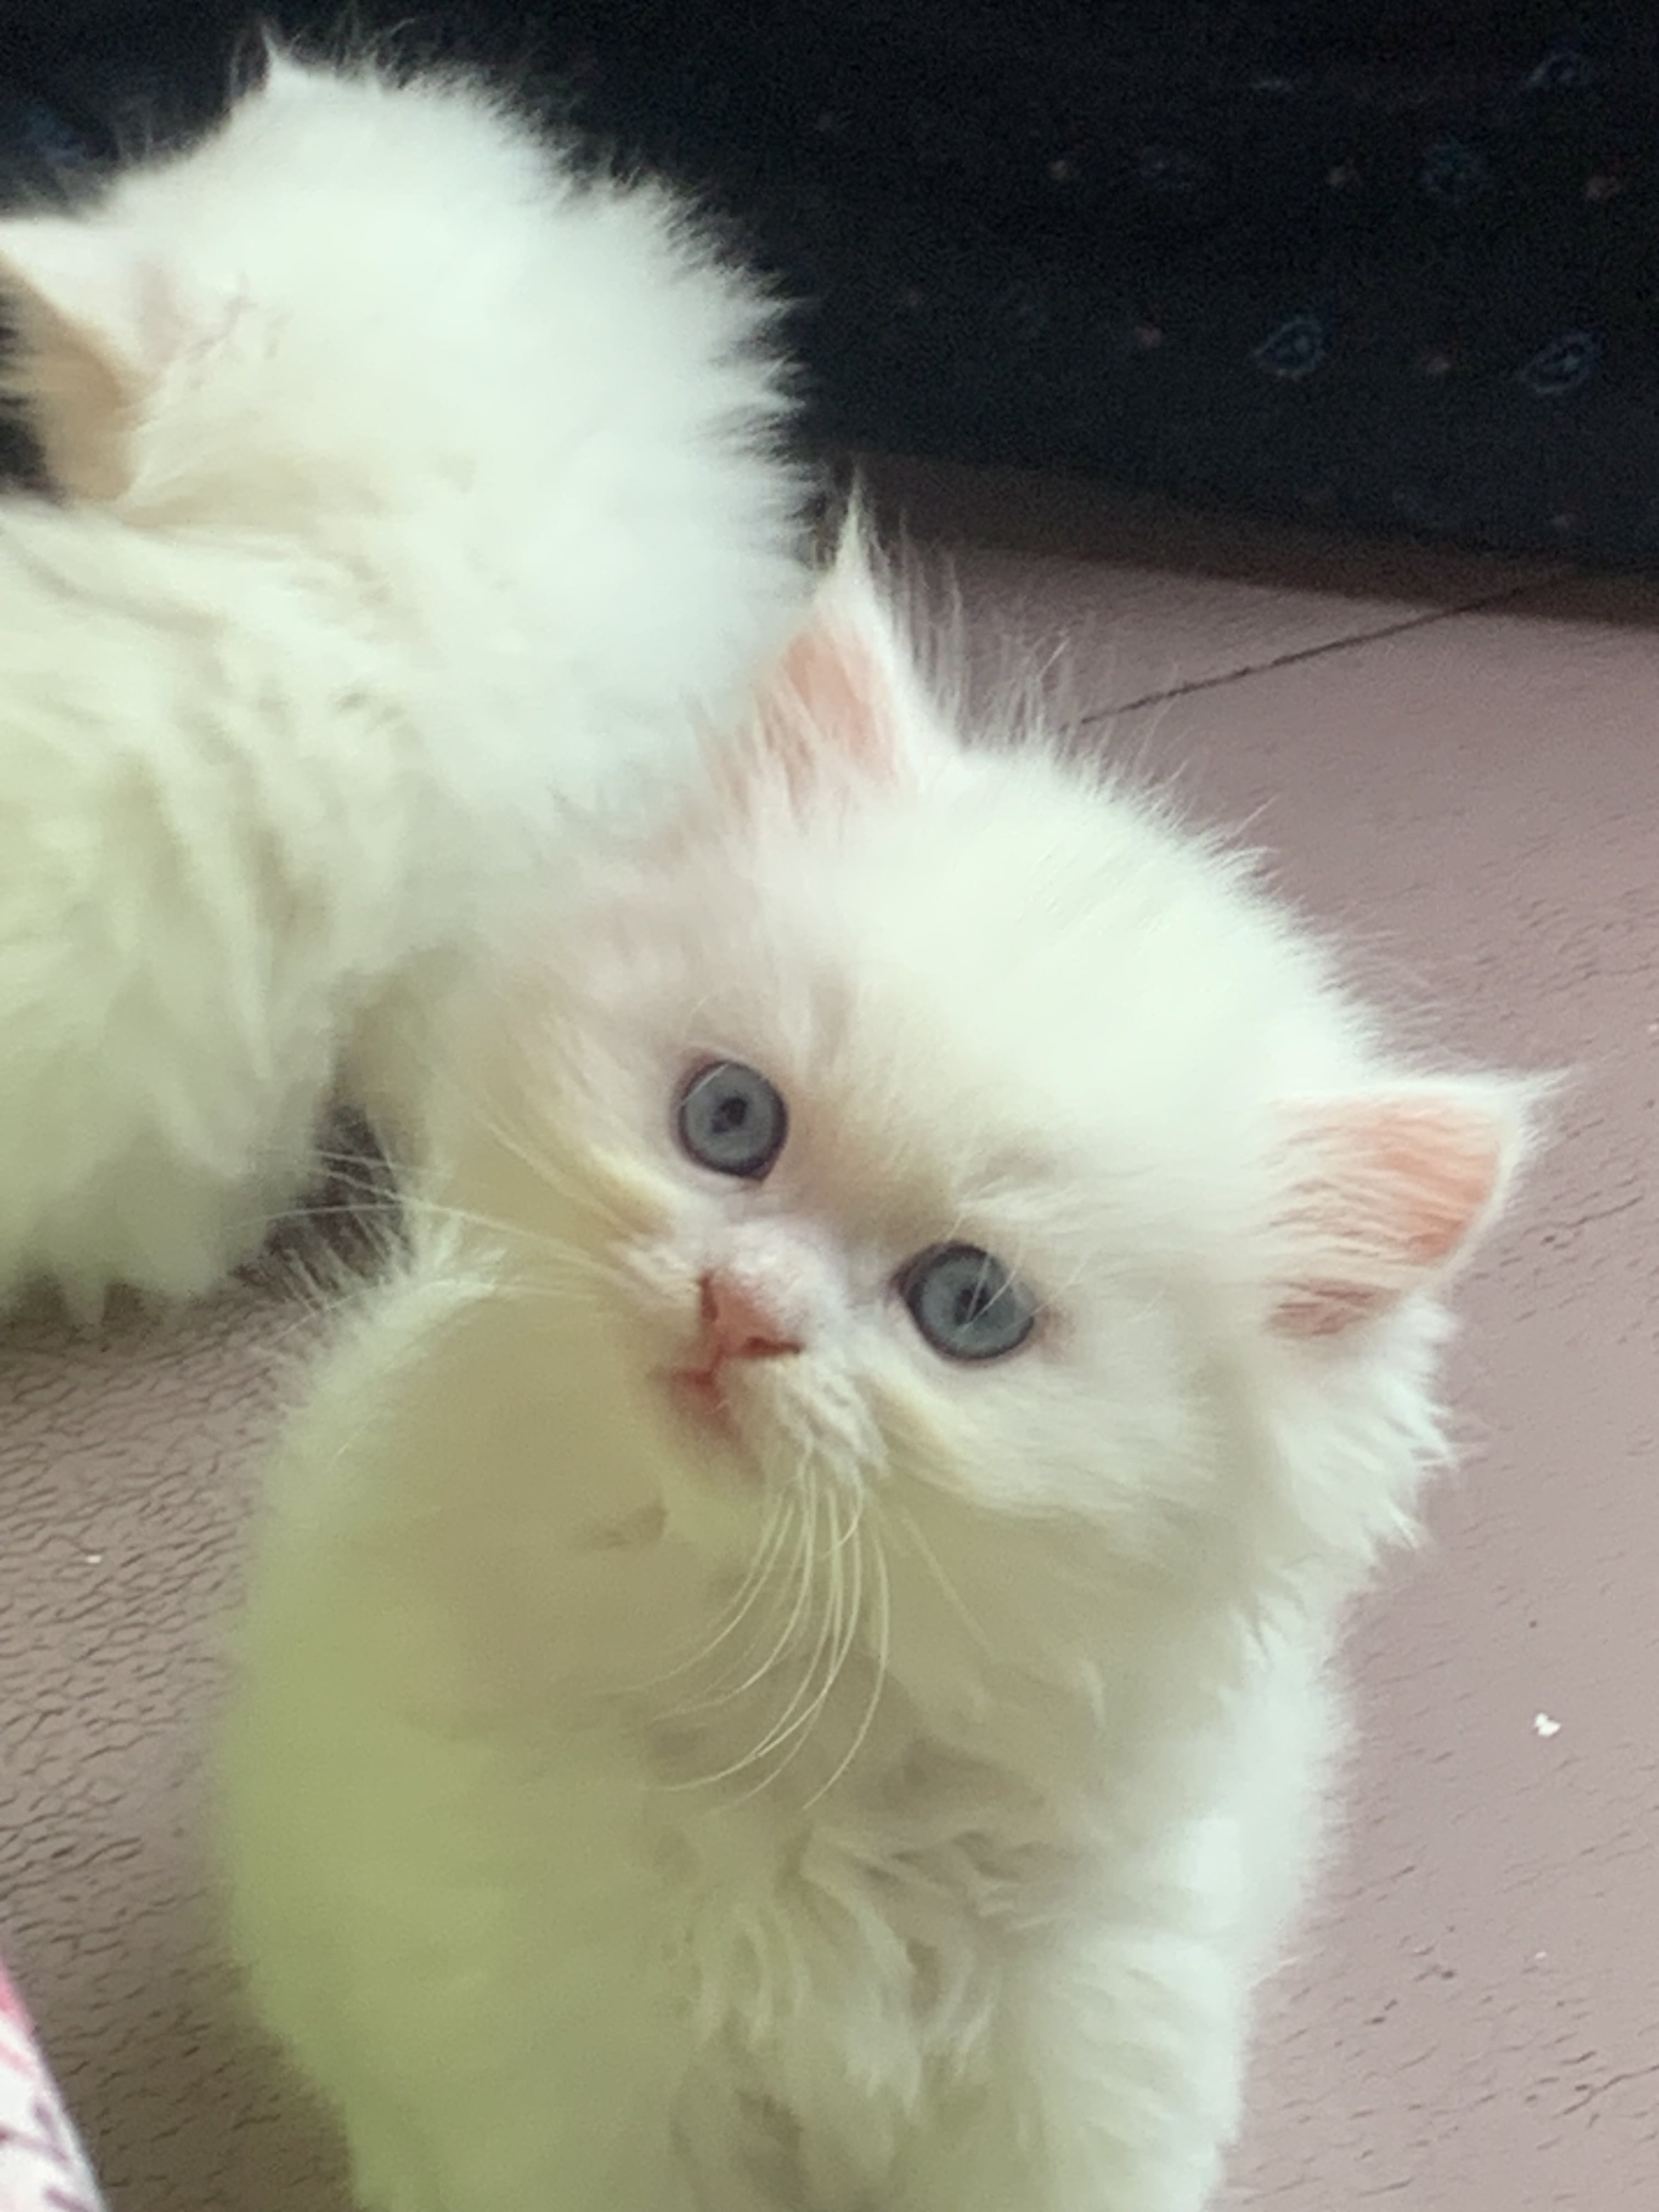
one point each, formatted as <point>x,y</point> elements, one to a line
<point>1391,264</point>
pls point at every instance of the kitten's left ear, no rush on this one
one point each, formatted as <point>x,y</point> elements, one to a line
<point>98,320</point>
<point>1388,1191</point>
<point>845,702</point>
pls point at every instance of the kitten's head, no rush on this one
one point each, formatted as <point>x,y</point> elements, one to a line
<point>350,288</point>
<point>951,1130</point>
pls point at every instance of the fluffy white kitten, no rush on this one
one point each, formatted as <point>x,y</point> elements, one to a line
<point>412,487</point>
<point>787,1667</point>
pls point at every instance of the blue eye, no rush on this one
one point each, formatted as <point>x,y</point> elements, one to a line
<point>965,1302</point>
<point>731,1119</point>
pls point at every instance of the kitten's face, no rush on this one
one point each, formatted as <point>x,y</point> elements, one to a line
<point>943,1129</point>
<point>850,1252</point>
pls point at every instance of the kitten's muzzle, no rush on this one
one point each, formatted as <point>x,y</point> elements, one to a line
<point>734,1322</point>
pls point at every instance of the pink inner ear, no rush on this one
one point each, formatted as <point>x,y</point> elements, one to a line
<point>1398,1187</point>
<point>826,707</point>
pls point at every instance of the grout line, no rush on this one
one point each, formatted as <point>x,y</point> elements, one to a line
<point>1400,629</point>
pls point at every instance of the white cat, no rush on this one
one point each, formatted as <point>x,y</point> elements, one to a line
<point>413,490</point>
<point>787,1671</point>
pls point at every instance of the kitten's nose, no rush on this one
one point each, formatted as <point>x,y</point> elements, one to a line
<point>736,1322</point>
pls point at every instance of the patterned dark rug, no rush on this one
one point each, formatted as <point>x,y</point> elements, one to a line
<point>1395,267</point>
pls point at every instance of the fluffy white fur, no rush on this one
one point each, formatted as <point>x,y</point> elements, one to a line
<point>886,1802</point>
<point>414,490</point>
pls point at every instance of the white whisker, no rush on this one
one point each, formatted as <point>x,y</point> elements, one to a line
<point>880,1660</point>
<point>806,1523</point>
<point>793,1725</point>
<point>547,1171</point>
<point>768,1549</point>
<point>804,1706</point>
<point>843,1617</point>
<point>946,1588</point>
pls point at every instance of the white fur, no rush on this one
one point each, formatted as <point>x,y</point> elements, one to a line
<point>417,492</point>
<point>888,1811</point>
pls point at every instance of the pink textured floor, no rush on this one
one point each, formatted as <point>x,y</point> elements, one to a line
<point>1459,763</point>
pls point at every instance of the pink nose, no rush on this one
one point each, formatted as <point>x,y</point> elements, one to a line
<point>736,1322</point>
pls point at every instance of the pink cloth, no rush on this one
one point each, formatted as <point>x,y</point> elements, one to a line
<point>43,2167</point>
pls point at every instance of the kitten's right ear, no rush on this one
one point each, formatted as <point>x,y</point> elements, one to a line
<point>97,320</point>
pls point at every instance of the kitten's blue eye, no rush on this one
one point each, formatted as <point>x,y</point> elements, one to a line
<point>966,1303</point>
<point>731,1120</point>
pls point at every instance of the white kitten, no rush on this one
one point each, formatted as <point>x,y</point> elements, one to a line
<point>414,488</point>
<point>787,1672</point>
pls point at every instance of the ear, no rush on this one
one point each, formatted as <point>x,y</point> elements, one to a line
<point>844,706</point>
<point>97,321</point>
<point>1388,1191</point>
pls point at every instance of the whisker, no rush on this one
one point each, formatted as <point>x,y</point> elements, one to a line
<point>946,1588</point>
<point>807,1525</point>
<point>883,1653</point>
<point>805,1704</point>
<point>843,1617</point>
<point>794,1724</point>
<point>544,1170</point>
<point>769,1547</point>
<point>812,1584</point>
<point>376,1201</point>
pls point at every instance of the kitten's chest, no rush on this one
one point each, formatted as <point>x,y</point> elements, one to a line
<point>859,1959</point>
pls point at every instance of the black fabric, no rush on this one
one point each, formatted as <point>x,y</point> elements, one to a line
<point>1395,265</point>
